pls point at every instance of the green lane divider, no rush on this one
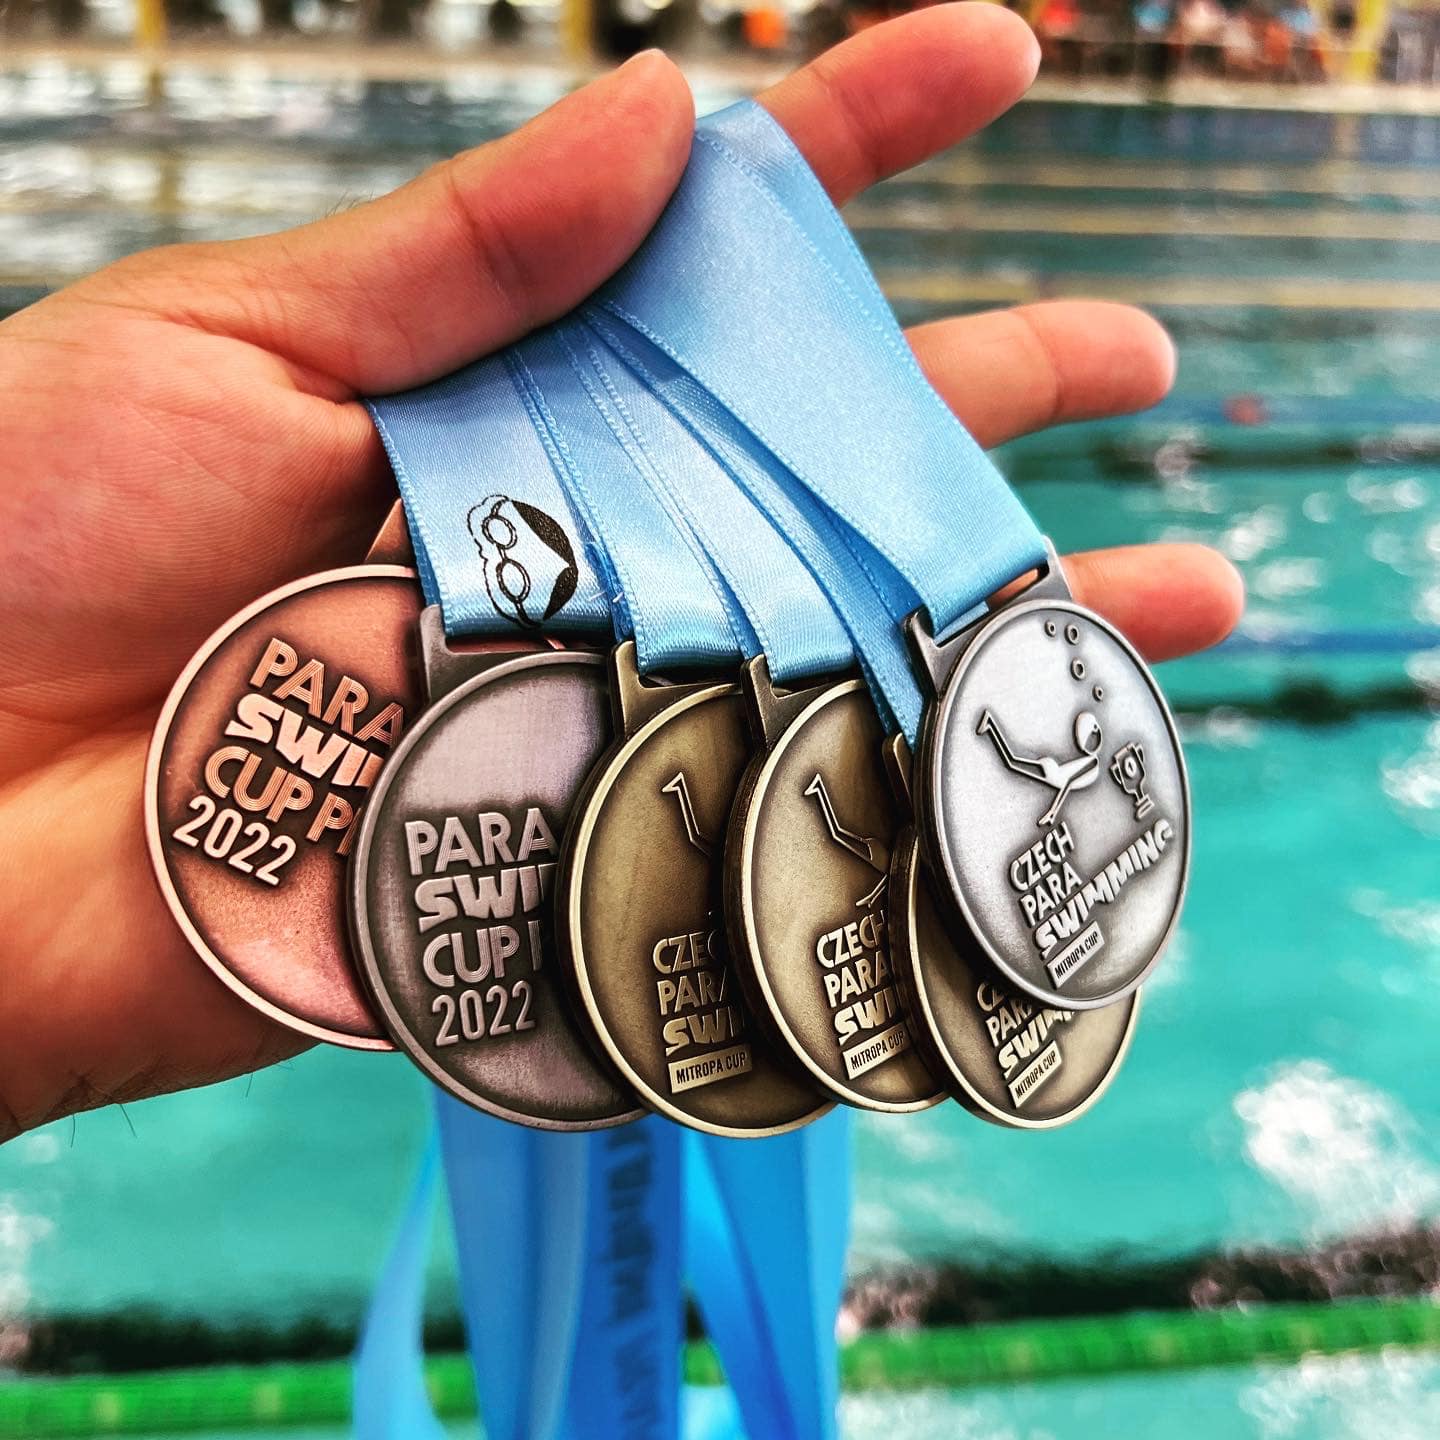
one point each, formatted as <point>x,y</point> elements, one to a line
<point>275,1396</point>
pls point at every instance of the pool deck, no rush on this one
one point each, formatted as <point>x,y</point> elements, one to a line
<point>335,57</point>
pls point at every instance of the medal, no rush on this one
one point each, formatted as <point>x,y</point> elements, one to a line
<point>452,886</point>
<point>1053,798</point>
<point>808,894</point>
<point>1005,1056</point>
<point>641,912</point>
<point>263,755</point>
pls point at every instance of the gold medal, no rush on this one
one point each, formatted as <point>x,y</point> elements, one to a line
<point>640,916</point>
<point>807,894</point>
<point>1005,1056</point>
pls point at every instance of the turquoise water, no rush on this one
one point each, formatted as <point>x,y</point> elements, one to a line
<point>1281,1087</point>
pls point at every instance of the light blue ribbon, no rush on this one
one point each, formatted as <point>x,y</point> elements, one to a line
<point>390,1402</point>
<point>777,609</point>
<point>752,284</point>
<point>856,598</point>
<point>440,438</point>
<point>834,408</point>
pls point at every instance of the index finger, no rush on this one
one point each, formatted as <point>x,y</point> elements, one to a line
<point>898,93</point>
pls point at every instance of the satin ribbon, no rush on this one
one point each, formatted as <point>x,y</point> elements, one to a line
<point>533,1305</point>
<point>834,407</point>
<point>439,438</point>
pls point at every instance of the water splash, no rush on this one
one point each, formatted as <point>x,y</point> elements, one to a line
<point>882,1417</point>
<point>1413,784</point>
<point>1345,1153</point>
<point>1349,1397</point>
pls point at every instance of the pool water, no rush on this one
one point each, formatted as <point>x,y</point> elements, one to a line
<point>1281,1087</point>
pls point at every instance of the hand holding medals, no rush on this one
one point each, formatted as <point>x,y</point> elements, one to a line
<point>576,889</point>
<point>231,463</point>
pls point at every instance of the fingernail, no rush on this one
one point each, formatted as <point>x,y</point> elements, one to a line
<point>643,55</point>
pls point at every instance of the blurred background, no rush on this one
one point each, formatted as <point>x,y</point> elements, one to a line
<point>1266,178</point>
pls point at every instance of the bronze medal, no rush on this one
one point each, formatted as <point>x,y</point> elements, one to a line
<point>266,748</point>
<point>641,917</point>
<point>807,894</point>
<point>1052,797</point>
<point>452,885</point>
<point>1005,1056</point>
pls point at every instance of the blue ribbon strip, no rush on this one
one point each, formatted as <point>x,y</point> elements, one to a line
<point>664,590</point>
<point>748,246</point>
<point>854,593</point>
<point>504,552</point>
<point>389,1381</point>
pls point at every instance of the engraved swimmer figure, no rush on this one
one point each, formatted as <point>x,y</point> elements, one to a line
<point>679,787</point>
<point>1062,776</point>
<point>872,851</point>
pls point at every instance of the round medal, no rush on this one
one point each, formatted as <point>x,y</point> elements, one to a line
<point>808,860</point>
<point>263,754</point>
<point>1007,1058</point>
<point>642,920</point>
<point>451,894</point>
<point>1055,803</point>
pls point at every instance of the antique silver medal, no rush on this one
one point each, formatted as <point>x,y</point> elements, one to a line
<point>452,887</point>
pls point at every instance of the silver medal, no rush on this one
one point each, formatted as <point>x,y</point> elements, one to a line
<point>1053,797</point>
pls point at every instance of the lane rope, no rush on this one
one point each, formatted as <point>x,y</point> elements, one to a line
<point>272,1397</point>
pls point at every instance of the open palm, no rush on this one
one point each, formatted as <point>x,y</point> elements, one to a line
<point>182,433</point>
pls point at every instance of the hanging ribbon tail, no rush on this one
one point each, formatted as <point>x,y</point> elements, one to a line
<point>624,1379</point>
<point>710,1413</point>
<point>726,1291</point>
<point>784,1205</point>
<point>390,1402</point>
<point>518,1199</point>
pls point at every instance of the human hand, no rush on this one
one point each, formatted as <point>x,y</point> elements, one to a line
<point>182,434</point>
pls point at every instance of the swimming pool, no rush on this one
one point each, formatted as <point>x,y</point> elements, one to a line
<point>1280,1090</point>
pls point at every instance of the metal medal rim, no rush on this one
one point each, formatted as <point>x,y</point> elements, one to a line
<point>579,836</point>
<point>155,840</point>
<point>358,902</point>
<point>938,727</point>
<point>746,824</point>
<point>906,869</point>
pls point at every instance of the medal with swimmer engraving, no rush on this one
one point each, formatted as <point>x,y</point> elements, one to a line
<point>807,894</point>
<point>268,745</point>
<point>452,885</point>
<point>1005,1056</point>
<point>1052,796</point>
<point>641,920</point>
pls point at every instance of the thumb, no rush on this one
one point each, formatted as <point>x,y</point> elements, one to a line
<point>468,256</point>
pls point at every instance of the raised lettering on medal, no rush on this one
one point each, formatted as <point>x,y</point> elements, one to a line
<point>1006,1056</point>
<point>809,894</point>
<point>452,892</point>
<point>262,761</point>
<point>643,929</point>
<point>1055,803</point>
